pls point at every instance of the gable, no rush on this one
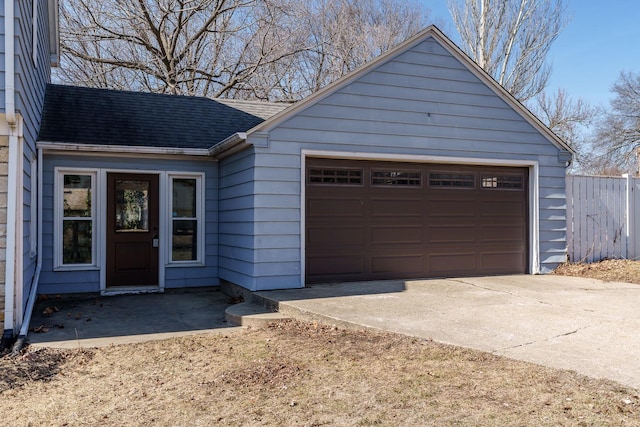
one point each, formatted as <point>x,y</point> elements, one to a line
<point>423,87</point>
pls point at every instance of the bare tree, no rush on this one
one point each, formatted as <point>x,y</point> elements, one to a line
<point>344,34</point>
<point>569,119</point>
<point>510,39</point>
<point>618,132</point>
<point>249,49</point>
<point>327,39</point>
<point>193,47</point>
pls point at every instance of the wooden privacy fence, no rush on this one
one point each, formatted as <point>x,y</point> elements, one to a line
<point>601,217</point>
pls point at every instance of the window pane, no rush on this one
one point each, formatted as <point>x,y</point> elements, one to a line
<point>77,196</point>
<point>452,180</point>
<point>335,176</point>
<point>76,242</point>
<point>184,240</point>
<point>184,198</point>
<point>132,205</point>
<point>401,178</point>
<point>513,182</point>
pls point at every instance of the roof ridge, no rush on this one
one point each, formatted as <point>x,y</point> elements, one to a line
<point>252,102</point>
<point>126,91</point>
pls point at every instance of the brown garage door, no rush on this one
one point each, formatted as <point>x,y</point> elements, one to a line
<point>382,220</point>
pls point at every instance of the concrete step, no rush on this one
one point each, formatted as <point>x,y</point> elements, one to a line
<point>250,314</point>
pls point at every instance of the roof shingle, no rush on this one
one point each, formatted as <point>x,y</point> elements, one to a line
<point>81,115</point>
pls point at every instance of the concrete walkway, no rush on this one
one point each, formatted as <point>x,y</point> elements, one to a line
<point>584,325</point>
<point>69,322</point>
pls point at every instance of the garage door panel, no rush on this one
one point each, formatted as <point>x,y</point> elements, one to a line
<point>451,208</point>
<point>326,207</point>
<point>431,228</point>
<point>331,236</point>
<point>511,234</point>
<point>501,262</point>
<point>396,266</point>
<point>396,208</point>
<point>451,262</point>
<point>447,233</point>
<point>336,265</point>
<point>396,235</point>
<point>502,209</point>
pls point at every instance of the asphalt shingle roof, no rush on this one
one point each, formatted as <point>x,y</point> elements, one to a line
<point>81,115</point>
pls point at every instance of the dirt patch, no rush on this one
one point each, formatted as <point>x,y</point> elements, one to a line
<point>300,374</point>
<point>35,366</point>
<point>612,270</point>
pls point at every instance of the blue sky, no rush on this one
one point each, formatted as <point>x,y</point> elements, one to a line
<point>602,39</point>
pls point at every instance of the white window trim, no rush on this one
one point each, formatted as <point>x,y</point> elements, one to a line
<point>58,217</point>
<point>200,218</point>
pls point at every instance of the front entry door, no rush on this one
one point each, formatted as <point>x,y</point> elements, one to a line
<point>132,229</point>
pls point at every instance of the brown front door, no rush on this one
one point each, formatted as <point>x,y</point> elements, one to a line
<point>132,229</point>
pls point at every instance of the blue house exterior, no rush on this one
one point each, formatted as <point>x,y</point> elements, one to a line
<point>416,165</point>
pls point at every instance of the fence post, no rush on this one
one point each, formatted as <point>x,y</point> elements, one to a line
<point>629,221</point>
<point>569,217</point>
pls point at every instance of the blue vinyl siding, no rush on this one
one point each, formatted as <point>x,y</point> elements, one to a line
<point>422,102</point>
<point>237,219</point>
<point>175,276</point>
<point>259,221</point>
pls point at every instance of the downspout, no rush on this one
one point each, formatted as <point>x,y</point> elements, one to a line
<point>10,113</point>
<point>24,329</point>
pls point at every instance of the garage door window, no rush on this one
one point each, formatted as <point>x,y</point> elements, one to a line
<point>335,176</point>
<point>503,182</point>
<point>451,180</point>
<point>396,178</point>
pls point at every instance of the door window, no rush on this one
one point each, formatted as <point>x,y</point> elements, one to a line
<point>132,206</point>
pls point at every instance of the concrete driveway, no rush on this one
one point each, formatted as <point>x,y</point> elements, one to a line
<point>588,326</point>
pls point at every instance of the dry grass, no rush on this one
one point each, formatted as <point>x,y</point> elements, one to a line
<point>300,374</point>
<point>611,270</point>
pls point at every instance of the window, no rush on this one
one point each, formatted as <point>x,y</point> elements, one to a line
<point>75,219</point>
<point>396,178</point>
<point>187,229</point>
<point>335,176</point>
<point>451,180</point>
<point>505,182</point>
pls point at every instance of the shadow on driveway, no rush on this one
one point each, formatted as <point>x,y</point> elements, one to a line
<point>66,322</point>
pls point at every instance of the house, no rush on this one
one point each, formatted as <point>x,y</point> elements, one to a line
<point>29,48</point>
<point>418,164</point>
